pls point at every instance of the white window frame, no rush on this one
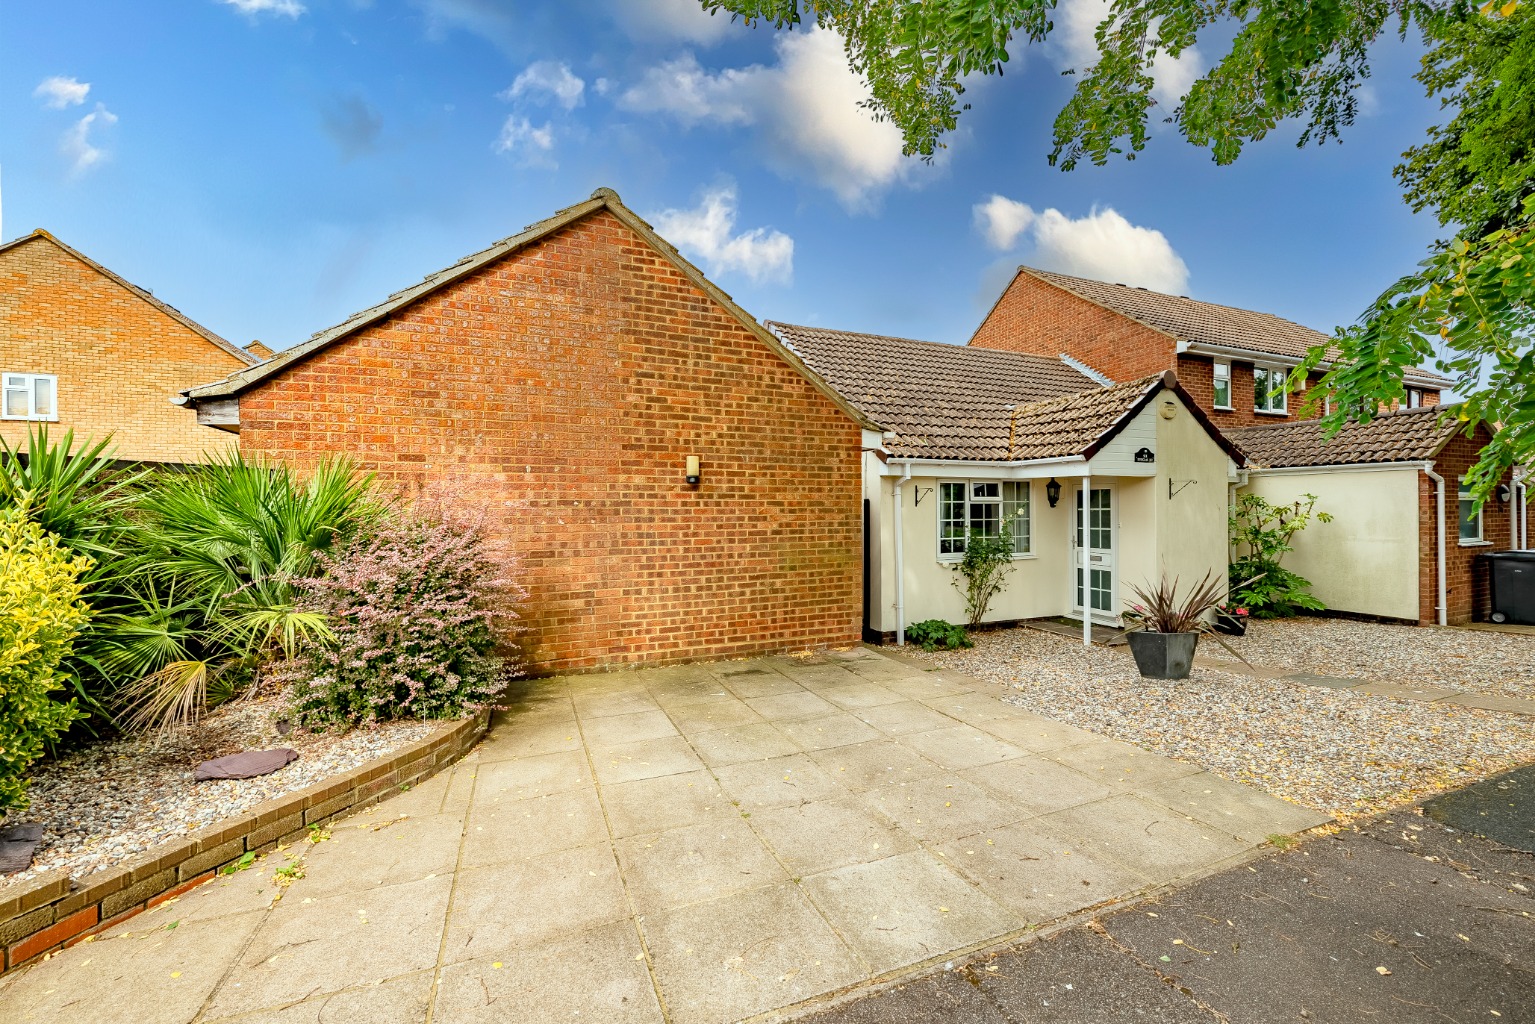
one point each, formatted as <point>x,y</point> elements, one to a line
<point>1221,372</point>
<point>968,489</point>
<point>12,381</point>
<point>1463,496</point>
<point>1283,408</point>
<point>1414,398</point>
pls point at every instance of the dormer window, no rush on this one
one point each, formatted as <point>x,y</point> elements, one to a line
<point>29,396</point>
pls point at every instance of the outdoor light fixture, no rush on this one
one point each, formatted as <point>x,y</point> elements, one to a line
<point>1505,494</point>
<point>1053,491</point>
<point>692,471</point>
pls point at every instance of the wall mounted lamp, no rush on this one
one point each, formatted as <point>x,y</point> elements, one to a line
<point>1053,491</point>
<point>693,475</point>
<point>1505,493</point>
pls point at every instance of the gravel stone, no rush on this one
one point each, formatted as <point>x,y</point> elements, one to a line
<point>113,800</point>
<point>1338,751</point>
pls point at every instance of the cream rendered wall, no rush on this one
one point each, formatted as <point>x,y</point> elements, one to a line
<point>1192,524</point>
<point>1037,586</point>
<point>1366,559</point>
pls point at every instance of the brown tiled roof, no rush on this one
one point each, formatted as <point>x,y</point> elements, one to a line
<point>1206,323</point>
<point>1407,435</point>
<point>942,401</point>
<point>1077,424</point>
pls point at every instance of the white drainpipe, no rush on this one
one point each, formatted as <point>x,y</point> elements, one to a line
<point>1087,571</point>
<point>1444,611</point>
<point>900,563</point>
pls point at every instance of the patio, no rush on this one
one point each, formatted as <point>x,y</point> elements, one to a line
<point>697,844</point>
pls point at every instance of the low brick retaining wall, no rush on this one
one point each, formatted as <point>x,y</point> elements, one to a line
<point>54,910</point>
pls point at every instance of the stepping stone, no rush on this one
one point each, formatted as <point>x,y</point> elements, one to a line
<point>246,765</point>
<point>17,845</point>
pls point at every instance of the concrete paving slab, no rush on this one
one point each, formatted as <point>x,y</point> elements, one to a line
<point>647,759</point>
<point>721,713</point>
<point>748,686</point>
<point>530,739</point>
<point>501,830</point>
<point>743,743</point>
<point>927,685</point>
<point>1403,692</point>
<point>1037,872</point>
<point>1035,732</point>
<point>1156,841</point>
<point>667,802</point>
<point>365,855</point>
<point>302,950</point>
<point>132,976</point>
<point>1235,809</point>
<point>682,694</point>
<point>598,976</point>
<point>835,730</point>
<point>853,696</point>
<point>531,776</point>
<point>728,959</point>
<point>825,834</point>
<point>972,708</point>
<point>800,703</point>
<point>524,903</point>
<point>905,909</point>
<point>671,869</point>
<point>1039,784</point>
<point>962,746</point>
<point>403,1000</point>
<point>903,718</point>
<point>881,762</point>
<point>778,782</point>
<point>1120,764</point>
<point>1327,682</point>
<point>943,807</point>
<point>1493,702</point>
<point>622,700</point>
<point>601,733</point>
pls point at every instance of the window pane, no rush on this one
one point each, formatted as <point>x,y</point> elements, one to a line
<point>1470,525</point>
<point>951,519</point>
<point>1099,521</point>
<point>42,397</point>
<point>16,403</point>
<point>1015,510</point>
<point>1223,393</point>
<point>986,491</point>
<point>986,518</point>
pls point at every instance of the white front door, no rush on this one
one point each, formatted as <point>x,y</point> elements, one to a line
<point>1097,554</point>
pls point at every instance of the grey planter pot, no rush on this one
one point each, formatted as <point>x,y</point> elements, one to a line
<point>1163,655</point>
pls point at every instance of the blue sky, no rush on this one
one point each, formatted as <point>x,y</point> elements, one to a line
<point>270,166</point>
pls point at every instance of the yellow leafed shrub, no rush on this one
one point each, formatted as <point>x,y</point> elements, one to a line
<point>41,612</point>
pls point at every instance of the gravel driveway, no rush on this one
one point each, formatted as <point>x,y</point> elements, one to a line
<point>1339,751</point>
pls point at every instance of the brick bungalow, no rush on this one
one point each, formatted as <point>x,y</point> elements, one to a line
<point>83,349</point>
<point>1403,541</point>
<point>565,380</point>
<point>974,438</point>
<point>1231,360</point>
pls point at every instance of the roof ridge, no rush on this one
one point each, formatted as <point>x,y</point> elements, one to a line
<point>771,324</point>
<point>1173,295</point>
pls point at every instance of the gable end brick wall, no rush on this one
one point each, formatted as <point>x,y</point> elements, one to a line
<point>1468,598</point>
<point>118,359</point>
<point>560,390</point>
<point>1039,318</point>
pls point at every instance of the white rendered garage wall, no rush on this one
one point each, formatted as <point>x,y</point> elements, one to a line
<point>1366,559</point>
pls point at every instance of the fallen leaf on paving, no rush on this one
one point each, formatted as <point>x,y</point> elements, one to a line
<point>1382,970</point>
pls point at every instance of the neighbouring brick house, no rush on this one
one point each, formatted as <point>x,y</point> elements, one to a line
<point>1381,553</point>
<point>1232,361</point>
<point>561,381</point>
<point>82,349</point>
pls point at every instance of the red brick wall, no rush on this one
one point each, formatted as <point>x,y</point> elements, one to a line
<point>1197,375</point>
<point>561,390</point>
<point>1039,318</point>
<point>1467,598</point>
<point>119,359</point>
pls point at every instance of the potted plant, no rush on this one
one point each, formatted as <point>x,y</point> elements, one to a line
<point>1164,629</point>
<point>1231,619</point>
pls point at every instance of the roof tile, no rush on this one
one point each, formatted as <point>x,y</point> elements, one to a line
<point>1406,435</point>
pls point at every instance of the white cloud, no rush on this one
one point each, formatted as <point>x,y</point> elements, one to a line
<point>550,78</point>
<point>532,146</point>
<point>59,92</point>
<point>77,146</point>
<point>673,21</point>
<point>704,233</point>
<point>1077,23</point>
<point>1002,220</point>
<point>1102,245</point>
<point>806,106</point>
<point>285,8</point>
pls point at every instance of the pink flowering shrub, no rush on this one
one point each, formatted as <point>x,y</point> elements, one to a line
<point>419,611</point>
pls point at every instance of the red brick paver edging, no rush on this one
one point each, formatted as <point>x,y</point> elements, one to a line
<point>55,910</point>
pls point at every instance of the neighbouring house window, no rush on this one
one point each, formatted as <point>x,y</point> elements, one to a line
<point>1470,522</point>
<point>1268,389</point>
<point>1414,398</point>
<point>29,396</point>
<point>982,506</point>
<point>1223,385</point>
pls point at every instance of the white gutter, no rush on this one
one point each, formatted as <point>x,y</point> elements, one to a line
<point>1444,612</point>
<point>1248,355</point>
<point>1347,467</point>
<point>947,467</point>
<point>900,563</point>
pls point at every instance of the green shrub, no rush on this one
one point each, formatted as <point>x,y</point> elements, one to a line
<point>982,571</point>
<point>417,611</point>
<point>1261,535</point>
<point>938,635</point>
<point>41,612</point>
